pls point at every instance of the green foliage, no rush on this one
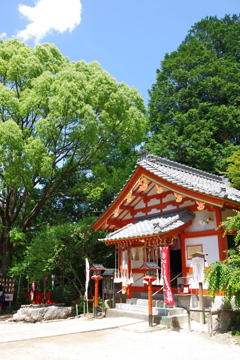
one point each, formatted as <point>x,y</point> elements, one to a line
<point>194,104</point>
<point>233,169</point>
<point>59,120</point>
<point>64,294</point>
<point>24,298</point>
<point>224,276</point>
<point>61,250</point>
<point>80,304</point>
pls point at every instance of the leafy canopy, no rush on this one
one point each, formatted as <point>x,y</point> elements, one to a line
<point>194,103</point>
<point>61,250</point>
<point>58,120</point>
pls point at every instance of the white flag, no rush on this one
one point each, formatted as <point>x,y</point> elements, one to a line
<point>87,278</point>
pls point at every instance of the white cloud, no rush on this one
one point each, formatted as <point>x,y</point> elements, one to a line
<point>48,16</point>
<point>3,35</point>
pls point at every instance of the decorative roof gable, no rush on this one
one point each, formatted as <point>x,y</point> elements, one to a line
<point>154,178</point>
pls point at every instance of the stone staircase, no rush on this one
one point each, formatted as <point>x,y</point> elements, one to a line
<point>138,309</point>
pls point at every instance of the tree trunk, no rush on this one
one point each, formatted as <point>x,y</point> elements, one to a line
<point>6,252</point>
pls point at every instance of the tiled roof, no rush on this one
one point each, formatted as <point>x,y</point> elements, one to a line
<point>152,225</point>
<point>150,265</point>
<point>189,177</point>
<point>98,266</point>
<point>108,272</point>
<point>186,177</point>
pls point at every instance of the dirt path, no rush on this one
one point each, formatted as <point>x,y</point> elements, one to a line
<point>127,342</point>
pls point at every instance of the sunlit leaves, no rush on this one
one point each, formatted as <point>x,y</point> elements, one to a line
<point>58,121</point>
<point>233,169</point>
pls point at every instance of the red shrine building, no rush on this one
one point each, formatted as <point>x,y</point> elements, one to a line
<point>167,204</point>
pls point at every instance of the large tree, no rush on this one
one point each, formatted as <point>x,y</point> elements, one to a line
<point>57,119</point>
<point>194,104</point>
<point>61,250</point>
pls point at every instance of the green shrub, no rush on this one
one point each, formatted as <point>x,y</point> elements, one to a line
<point>80,304</point>
<point>64,294</point>
<point>24,298</point>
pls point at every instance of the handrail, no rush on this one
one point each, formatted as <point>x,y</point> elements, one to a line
<point>170,281</point>
<point>134,281</point>
<point>209,312</point>
<point>156,291</point>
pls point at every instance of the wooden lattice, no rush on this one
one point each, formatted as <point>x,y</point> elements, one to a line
<point>8,284</point>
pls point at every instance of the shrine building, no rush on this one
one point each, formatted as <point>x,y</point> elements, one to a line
<point>167,204</point>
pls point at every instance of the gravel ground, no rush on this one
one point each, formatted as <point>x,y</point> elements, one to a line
<point>135,342</point>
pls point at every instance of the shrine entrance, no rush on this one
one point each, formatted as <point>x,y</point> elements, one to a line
<point>175,266</point>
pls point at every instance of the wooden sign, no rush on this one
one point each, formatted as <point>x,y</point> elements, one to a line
<point>192,249</point>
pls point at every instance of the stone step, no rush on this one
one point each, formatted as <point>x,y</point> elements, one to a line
<point>173,321</point>
<point>144,302</point>
<point>143,309</point>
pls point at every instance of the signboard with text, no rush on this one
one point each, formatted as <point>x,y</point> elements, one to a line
<point>168,295</point>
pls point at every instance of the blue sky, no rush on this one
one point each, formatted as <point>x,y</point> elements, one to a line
<point>128,38</point>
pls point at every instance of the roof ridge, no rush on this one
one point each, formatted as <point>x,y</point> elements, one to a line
<point>179,213</point>
<point>165,213</point>
<point>183,167</point>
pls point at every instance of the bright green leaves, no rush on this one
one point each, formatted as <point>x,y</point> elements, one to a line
<point>58,121</point>
<point>63,105</point>
<point>17,236</point>
<point>217,277</point>
<point>9,105</point>
<point>224,277</point>
<point>21,161</point>
<point>50,57</point>
<point>36,160</point>
<point>233,170</point>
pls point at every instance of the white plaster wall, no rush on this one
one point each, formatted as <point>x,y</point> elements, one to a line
<point>186,203</point>
<point>153,211</point>
<point>123,214</point>
<point>199,216</point>
<point>137,264</point>
<point>137,281</point>
<point>169,207</point>
<point>140,205</point>
<point>128,216</point>
<point>153,202</point>
<point>209,246</point>
<point>169,197</point>
<point>140,213</point>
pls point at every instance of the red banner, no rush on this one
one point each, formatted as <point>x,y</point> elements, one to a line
<point>168,296</point>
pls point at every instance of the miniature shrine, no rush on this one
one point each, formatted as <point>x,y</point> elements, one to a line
<point>167,205</point>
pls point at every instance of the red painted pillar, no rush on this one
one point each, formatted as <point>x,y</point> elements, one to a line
<point>96,278</point>
<point>149,280</point>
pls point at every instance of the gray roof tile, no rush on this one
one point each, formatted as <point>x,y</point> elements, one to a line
<point>150,265</point>
<point>189,177</point>
<point>152,225</point>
